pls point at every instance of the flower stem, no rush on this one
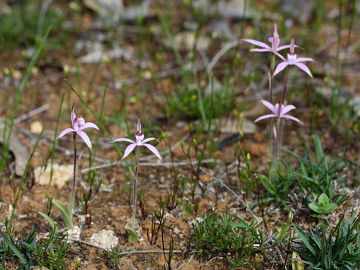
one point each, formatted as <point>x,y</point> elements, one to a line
<point>134,195</point>
<point>73,187</point>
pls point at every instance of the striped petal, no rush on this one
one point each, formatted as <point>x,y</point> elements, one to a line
<point>264,117</point>
<point>280,67</point>
<point>65,131</point>
<point>292,118</point>
<point>260,50</point>
<point>258,43</point>
<point>122,140</point>
<point>153,149</point>
<point>128,150</point>
<point>304,68</point>
<point>85,138</point>
<point>287,109</point>
<point>305,59</point>
<point>269,106</point>
<point>89,125</point>
<point>148,140</point>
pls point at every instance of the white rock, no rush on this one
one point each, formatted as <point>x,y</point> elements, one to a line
<point>105,239</point>
<point>61,174</point>
<point>74,232</point>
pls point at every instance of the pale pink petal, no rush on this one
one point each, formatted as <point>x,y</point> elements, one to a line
<point>287,109</point>
<point>292,118</point>
<point>138,127</point>
<point>305,59</point>
<point>280,67</point>
<point>282,57</point>
<point>283,47</point>
<point>73,116</point>
<point>304,68</point>
<point>264,117</point>
<point>89,125</point>
<point>123,140</point>
<point>85,138</point>
<point>152,149</point>
<point>148,140</point>
<point>269,106</point>
<point>280,48</point>
<point>292,46</point>
<point>260,50</point>
<point>258,43</point>
<point>128,150</point>
<point>65,131</point>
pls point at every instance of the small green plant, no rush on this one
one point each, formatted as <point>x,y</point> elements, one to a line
<point>323,206</point>
<point>24,25</point>
<point>338,249</point>
<point>228,235</point>
<point>320,175</point>
<point>186,104</point>
<point>50,252</point>
<point>278,185</point>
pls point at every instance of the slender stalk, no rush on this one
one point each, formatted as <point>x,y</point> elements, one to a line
<point>73,191</point>
<point>134,195</point>
<point>272,135</point>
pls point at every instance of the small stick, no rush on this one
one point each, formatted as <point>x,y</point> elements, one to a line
<point>126,252</point>
<point>30,114</point>
<point>150,164</point>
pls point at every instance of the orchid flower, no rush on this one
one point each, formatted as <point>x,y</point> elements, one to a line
<point>139,141</point>
<point>78,125</point>
<point>274,41</point>
<point>292,59</point>
<point>277,112</point>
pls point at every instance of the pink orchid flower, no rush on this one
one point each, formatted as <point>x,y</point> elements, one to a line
<point>140,141</point>
<point>292,59</point>
<point>277,112</point>
<point>78,125</point>
<point>275,44</point>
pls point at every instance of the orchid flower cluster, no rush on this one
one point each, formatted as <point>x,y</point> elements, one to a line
<point>79,125</point>
<point>279,110</point>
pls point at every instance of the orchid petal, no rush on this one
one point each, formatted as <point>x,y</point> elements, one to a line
<point>269,106</point>
<point>153,149</point>
<point>283,47</point>
<point>292,46</point>
<point>65,131</point>
<point>260,50</point>
<point>305,59</point>
<point>292,118</point>
<point>123,140</point>
<point>280,67</point>
<point>258,43</point>
<point>85,138</point>
<point>304,68</point>
<point>73,116</point>
<point>89,125</point>
<point>265,117</point>
<point>287,109</point>
<point>148,140</point>
<point>128,150</point>
<point>282,57</point>
<point>280,48</point>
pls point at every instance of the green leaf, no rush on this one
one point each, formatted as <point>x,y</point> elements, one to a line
<point>323,200</point>
<point>132,236</point>
<point>51,222</point>
<point>15,250</point>
<point>305,238</point>
<point>65,211</point>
